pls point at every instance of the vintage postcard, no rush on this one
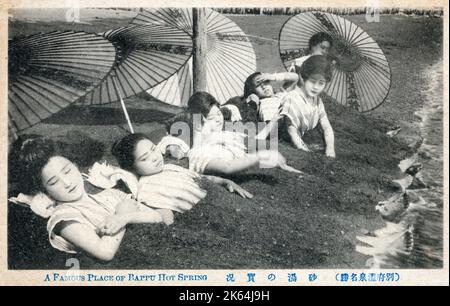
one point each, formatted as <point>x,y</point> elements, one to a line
<point>256,143</point>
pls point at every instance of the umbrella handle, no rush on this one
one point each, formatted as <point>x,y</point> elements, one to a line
<point>127,117</point>
<point>122,103</point>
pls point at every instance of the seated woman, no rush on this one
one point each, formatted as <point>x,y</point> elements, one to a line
<point>78,221</point>
<point>150,180</point>
<point>216,151</point>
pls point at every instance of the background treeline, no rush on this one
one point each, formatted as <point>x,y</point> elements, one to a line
<point>435,12</point>
<point>337,11</point>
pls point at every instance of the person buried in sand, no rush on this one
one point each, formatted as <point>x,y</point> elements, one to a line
<point>152,182</point>
<point>319,44</point>
<point>78,221</point>
<point>215,150</point>
<point>303,108</point>
<point>258,89</point>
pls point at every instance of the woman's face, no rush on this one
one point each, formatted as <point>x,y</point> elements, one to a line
<point>321,48</point>
<point>314,85</point>
<point>215,119</point>
<point>62,180</point>
<point>264,90</point>
<point>148,160</point>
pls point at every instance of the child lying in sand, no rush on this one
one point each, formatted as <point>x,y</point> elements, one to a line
<point>150,180</point>
<point>78,221</point>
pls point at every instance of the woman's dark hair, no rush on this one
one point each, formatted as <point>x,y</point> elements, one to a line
<point>123,150</point>
<point>318,38</point>
<point>316,64</point>
<point>250,85</point>
<point>201,103</point>
<point>248,110</point>
<point>28,156</point>
<point>30,153</point>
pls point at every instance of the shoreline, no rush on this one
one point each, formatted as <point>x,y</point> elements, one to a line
<point>423,217</point>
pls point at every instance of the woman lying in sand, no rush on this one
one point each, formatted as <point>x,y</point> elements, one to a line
<point>150,180</point>
<point>258,89</point>
<point>78,221</point>
<point>260,103</point>
<point>215,150</point>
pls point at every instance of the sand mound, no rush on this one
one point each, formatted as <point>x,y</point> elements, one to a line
<point>293,221</point>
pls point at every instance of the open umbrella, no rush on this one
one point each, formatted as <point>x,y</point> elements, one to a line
<point>230,57</point>
<point>148,55</point>
<point>48,72</point>
<point>361,76</point>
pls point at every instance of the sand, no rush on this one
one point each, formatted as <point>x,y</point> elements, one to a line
<point>293,222</point>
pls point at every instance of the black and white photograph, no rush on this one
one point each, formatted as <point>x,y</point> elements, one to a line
<point>227,138</point>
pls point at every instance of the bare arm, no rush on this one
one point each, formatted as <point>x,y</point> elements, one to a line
<point>143,216</point>
<point>329,137</point>
<point>86,239</point>
<point>114,224</point>
<point>233,166</point>
<point>229,185</point>
<point>290,80</point>
<point>128,212</point>
<point>296,138</point>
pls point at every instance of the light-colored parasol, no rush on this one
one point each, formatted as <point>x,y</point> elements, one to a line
<point>48,72</point>
<point>148,55</point>
<point>230,57</point>
<point>361,76</point>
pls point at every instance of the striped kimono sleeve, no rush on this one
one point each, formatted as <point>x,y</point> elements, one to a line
<point>63,213</point>
<point>291,110</point>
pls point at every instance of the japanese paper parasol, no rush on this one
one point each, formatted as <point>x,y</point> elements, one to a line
<point>230,57</point>
<point>361,75</point>
<point>47,72</point>
<point>148,55</point>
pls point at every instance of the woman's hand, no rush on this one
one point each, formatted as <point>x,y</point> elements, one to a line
<point>235,113</point>
<point>271,159</point>
<point>330,153</point>
<point>264,77</point>
<point>229,185</point>
<point>126,206</point>
<point>254,98</point>
<point>176,151</point>
<point>112,225</point>
<point>235,188</point>
<point>166,215</point>
<point>302,146</point>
